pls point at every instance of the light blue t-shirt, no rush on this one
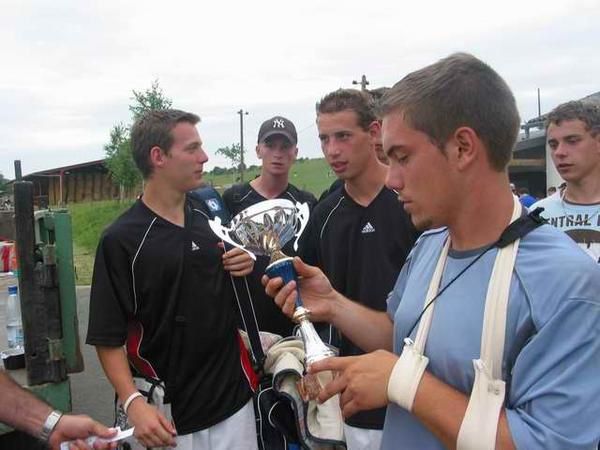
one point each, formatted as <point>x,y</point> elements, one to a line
<point>551,361</point>
<point>580,222</point>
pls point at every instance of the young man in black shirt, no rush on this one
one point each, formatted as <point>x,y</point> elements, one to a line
<point>277,148</point>
<point>359,234</point>
<point>161,289</point>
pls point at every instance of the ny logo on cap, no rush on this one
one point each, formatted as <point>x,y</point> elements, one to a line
<point>278,123</point>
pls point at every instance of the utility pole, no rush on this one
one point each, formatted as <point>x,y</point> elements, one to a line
<point>363,83</point>
<point>242,113</point>
<point>539,104</point>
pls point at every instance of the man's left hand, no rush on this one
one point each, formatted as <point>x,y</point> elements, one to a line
<point>361,380</point>
<point>238,262</point>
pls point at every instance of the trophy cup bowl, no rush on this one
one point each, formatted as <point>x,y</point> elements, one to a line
<point>263,229</point>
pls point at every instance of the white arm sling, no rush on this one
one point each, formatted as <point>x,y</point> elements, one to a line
<point>480,424</point>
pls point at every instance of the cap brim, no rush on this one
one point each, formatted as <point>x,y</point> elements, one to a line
<point>285,134</point>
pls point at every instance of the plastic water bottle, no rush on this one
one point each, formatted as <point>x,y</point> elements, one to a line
<point>14,324</point>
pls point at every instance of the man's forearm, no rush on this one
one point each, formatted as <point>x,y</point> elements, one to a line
<point>21,409</point>
<point>368,329</point>
<point>441,408</point>
<point>116,367</point>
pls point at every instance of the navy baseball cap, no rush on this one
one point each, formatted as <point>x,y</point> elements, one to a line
<point>278,125</point>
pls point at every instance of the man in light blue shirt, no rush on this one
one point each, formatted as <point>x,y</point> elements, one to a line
<point>448,130</point>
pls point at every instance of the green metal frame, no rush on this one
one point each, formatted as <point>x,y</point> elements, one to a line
<point>53,227</point>
<point>53,231</point>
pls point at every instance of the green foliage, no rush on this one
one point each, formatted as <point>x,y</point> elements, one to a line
<point>233,153</point>
<point>89,221</point>
<point>3,182</point>
<point>152,99</point>
<point>119,159</point>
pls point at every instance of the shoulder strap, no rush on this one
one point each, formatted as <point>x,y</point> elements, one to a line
<point>516,230</point>
<point>213,203</point>
<point>521,227</point>
<point>217,208</point>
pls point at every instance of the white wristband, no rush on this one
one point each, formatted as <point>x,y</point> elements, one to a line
<point>406,376</point>
<point>130,399</point>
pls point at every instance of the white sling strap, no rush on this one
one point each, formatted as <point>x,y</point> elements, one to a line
<point>408,370</point>
<point>479,426</point>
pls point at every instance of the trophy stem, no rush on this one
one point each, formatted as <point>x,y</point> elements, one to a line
<point>314,348</point>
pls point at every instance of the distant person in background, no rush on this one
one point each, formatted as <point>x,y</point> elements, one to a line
<point>277,149</point>
<point>573,137</point>
<point>359,234</point>
<point>525,198</point>
<point>23,411</point>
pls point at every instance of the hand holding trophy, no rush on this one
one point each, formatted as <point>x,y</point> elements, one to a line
<point>263,229</point>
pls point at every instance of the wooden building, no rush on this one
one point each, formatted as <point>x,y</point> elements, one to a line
<point>85,182</point>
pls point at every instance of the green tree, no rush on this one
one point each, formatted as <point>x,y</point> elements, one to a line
<point>233,153</point>
<point>119,159</point>
<point>149,100</point>
<point>3,182</point>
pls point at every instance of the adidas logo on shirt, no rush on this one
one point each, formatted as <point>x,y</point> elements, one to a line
<point>194,246</point>
<point>368,228</point>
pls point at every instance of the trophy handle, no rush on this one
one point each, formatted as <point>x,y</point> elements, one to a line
<point>223,233</point>
<point>302,214</point>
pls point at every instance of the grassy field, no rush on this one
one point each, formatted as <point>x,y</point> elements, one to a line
<point>311,175</point>
<point>90,219</point>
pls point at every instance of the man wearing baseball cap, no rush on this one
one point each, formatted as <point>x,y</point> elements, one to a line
<point>277,149</point>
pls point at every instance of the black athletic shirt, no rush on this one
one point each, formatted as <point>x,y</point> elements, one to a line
<point>337,184</point>
<point>269,316</point>
<point>144,266</point>
<point>361,250</point>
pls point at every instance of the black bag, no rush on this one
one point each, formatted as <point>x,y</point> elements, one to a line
<point>275,420</point>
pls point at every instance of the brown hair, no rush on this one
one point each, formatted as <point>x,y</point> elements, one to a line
<point>153,129</point>
<point>588,113</point>
<point>459,90</point>
<point>349,99</point>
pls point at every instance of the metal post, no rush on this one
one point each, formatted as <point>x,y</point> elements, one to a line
<point>18,174</point>
<point>40,302</point>
<point>241,112</point>
<point>363,83</point>
<point>60,188</point>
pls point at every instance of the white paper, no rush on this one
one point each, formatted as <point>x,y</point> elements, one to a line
<point>120,436</point>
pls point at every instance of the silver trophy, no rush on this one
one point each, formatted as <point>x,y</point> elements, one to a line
<point>263,229</point>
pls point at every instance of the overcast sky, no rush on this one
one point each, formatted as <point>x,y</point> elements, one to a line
<point>68,67</point>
